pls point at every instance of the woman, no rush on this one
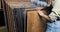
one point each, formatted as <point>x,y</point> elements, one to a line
<point>55,16</point>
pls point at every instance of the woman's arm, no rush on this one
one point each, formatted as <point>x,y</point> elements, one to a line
<point>43,13</point>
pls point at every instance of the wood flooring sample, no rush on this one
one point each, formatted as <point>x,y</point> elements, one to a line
<point>35,23</point>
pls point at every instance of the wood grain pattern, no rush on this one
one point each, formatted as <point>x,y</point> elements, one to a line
<point>34,22</point>
<point>12,9</point>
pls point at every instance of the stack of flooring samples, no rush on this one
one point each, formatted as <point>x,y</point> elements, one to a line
<point>34,22</point>
<point>14,12</point>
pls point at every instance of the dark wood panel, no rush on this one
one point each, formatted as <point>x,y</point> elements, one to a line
<point>14,15</point>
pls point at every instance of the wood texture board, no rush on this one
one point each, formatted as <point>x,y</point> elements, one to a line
<point>35,23</point>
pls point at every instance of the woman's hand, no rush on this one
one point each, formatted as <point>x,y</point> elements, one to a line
<point>41,13</point>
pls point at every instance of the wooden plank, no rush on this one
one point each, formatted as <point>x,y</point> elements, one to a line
<point>34,22</point>
<point>25,18</point>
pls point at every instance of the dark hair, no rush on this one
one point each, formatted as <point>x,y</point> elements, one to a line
<point>48,9</point>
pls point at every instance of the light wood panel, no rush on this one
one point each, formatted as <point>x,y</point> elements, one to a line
<point>35,23</point>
